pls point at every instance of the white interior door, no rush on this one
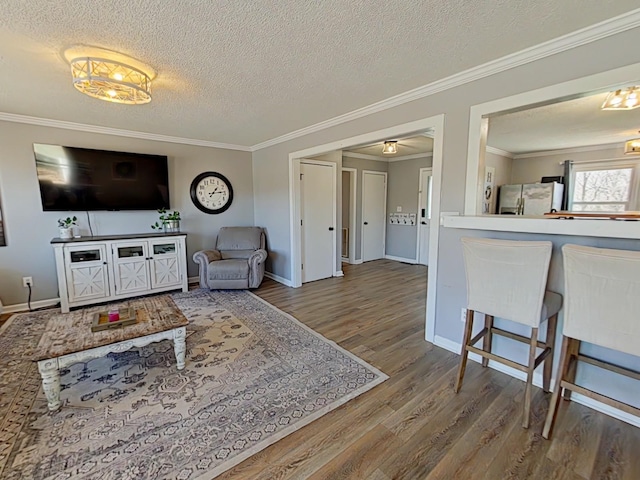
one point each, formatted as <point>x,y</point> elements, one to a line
<point>374,212</point>
<point>424,215</point>
<point>318,194</point>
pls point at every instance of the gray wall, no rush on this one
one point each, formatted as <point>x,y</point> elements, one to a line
<point>503,166</point>
<point>402,191</point>
<point>29,229</point>
<point>531,170</point>
<point>360,164</point>
<point>271,164</point>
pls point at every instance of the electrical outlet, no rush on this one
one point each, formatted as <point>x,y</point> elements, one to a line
<point>463,315</point>
<point>26,281</point>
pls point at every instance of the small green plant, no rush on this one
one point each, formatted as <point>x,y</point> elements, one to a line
<point>67,222</point>
<point>165,218</point>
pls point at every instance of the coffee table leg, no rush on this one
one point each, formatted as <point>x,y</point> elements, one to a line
<point>180,346</point>
<point>50,382</point>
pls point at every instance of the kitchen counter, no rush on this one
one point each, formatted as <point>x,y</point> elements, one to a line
<point>604,228</point>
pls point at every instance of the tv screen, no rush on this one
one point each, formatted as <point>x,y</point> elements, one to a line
<point>79,179</point>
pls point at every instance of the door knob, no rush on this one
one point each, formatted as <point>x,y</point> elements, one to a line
<point>366,223</point>
<point>331,229</point>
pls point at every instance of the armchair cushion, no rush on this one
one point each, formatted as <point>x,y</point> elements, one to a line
<point>239,238</point>
<point>225,254</point>
<point>233,269</point>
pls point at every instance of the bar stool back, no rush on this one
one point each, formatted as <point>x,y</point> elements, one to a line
<point>507,279</point>
<point>602,290</point>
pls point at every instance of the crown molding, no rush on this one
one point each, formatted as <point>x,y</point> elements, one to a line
<point>566,151</point>
<point>413,156</point>
<point>376,158</point>
<point>498,151</point>
<point>81,127</point>
<point>363,156</point>
<point>592,33</point>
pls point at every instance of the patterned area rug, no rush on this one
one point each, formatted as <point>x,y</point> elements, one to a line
<point>254,375</point>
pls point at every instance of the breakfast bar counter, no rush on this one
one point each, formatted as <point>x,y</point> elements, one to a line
<point>604,228</point>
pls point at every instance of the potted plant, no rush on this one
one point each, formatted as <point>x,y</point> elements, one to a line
<point>168,222</point>
<point>66,226</point>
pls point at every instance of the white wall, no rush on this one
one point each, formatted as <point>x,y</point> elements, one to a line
<point>29,230</point>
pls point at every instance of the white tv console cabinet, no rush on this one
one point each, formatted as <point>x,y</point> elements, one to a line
<point>112,267</point>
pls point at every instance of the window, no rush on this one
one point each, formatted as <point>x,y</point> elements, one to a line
<point>603,187</point>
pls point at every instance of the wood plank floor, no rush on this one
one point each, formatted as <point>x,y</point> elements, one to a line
<point>413,426</point>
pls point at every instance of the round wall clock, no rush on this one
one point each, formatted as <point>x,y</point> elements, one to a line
<point>211,192</point>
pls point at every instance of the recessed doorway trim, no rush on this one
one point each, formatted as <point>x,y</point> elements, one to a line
<point>353,199</point>
<point>418,216</point>
<point>435,123</point>
<point>384,215</point>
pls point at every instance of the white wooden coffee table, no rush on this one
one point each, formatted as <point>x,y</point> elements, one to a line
<point>68,339</point>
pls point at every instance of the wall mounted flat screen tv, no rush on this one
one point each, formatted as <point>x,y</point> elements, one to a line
<point>79,179</point>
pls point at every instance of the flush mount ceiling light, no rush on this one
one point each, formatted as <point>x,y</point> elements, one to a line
<point>623,99</point>
<point>632,147</point>
<point>111,80</point>
<point>390,147</point>
<point>109,75</point>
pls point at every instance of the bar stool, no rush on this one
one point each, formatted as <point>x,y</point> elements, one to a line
<point>602,288</point>
<point>507,279</point>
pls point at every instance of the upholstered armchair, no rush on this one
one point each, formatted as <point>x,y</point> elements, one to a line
<point>237,261</point>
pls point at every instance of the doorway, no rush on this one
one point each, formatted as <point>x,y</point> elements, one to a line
<point>424,213</point>
<point>317,219</point>
<point>374,212</point>
<point>434,124</point>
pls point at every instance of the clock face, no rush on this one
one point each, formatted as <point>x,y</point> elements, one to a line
<point>211,192</point>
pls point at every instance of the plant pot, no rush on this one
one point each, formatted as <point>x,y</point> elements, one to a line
<point>66,233</point>
<point>172,226</point>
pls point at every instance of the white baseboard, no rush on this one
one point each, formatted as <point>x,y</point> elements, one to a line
<point>339,273</point>
<point>24,307</point>
<point>357,262</point>
<point>193,280</point>
<point>278,279</point>
<point>537,381</point>
<point>401,259</point>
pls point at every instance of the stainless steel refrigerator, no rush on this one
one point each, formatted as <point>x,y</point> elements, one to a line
<point>530,198</point>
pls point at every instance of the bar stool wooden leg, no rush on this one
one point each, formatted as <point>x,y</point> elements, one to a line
<point>555,399</point>
<point>530,368</point>
<point>572,360</point>
<point>552,324</point>
<point>468,327</point>
<point>486,341</point>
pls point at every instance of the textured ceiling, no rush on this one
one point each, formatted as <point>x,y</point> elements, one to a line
<point>573,123</point>
<point>243,71</point>
<point>406,146</point>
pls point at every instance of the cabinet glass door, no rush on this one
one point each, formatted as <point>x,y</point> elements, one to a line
<point>86,271</point>
<point>130,267</point>
<point>163,265</point>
